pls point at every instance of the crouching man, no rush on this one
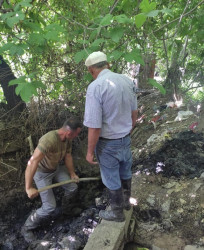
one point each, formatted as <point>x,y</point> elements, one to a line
<point>44,168</point>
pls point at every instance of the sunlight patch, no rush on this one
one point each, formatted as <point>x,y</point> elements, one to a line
<point>133,201</point>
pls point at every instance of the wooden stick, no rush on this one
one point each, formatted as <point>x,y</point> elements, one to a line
<point>68,181</point>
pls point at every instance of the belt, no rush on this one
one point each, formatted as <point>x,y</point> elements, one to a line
<point>102,138</point>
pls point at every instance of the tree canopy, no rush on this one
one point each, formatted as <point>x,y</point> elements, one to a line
<point>46,43</point>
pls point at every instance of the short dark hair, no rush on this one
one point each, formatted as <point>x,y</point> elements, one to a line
<point>100,64</point>
<point>73,123</point>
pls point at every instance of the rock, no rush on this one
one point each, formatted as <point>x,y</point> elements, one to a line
<point>166,205</point>
<point>151,200</point>
<point>157,248</point>
<point>70,243</point>
<point>202,176</point>
<point>167,224</point>
<point>40,245</point>
<point>170,185</point>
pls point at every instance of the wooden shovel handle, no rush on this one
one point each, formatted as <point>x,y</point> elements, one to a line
<point>68,181</point>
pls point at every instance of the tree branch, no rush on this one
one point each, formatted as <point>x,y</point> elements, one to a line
<point>180,16</point>
<point>167,61</point>
<point>71,21</point>
<point>1,2</point>
<point>114,5</point>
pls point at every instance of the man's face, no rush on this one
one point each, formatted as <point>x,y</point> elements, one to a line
<point>71,134</point>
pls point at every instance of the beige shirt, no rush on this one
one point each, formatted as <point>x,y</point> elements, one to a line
<point>54,150</point>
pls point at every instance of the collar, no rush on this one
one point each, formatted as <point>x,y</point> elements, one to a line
<point>103,72</point>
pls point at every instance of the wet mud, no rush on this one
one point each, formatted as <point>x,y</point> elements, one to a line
<point>75,226</point>
<point>181,156</point>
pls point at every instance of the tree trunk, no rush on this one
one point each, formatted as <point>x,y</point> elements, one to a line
<point>6,75</point>
<point>173,79</point>
<point>147,71</point>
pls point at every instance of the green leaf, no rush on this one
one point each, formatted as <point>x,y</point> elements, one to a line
<point>26,90</point>
<point>134,55</point>
<point>152,13</point>
<point>39,85</point>
<point>88,77</point>
<point>80,56</point>
<point>97,42</point>
<point>24,3</point>
<point>122,19</point>
<point>54,27</point>
<point>36,39</point>
<point>115,55</point>
<point>140,19</point>
<point>99,30</point>
<point>20,15</point>
<point>52,35</point>
<point>12,21</point>
<point>68,84</point>
<point>92,35</point>
<point>6,15</point>
<point>116,34</point>
<point>33,26</point>
<point>13,18</point>
<point>5,47</point>
<point>83,41</point>
<point>167,11</point>
<point>157,85</point>
<point>106,20</point>
<point>21,79</point>
<point>146,7</point>
<point>17,50</point>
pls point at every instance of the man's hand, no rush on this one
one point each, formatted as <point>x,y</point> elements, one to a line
<point>90,158</point>
<point>74,177</point>
<point>32,192</point>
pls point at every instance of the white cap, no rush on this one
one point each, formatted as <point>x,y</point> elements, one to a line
<point>95,57</point>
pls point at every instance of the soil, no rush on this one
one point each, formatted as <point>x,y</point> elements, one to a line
<point>167,185</point>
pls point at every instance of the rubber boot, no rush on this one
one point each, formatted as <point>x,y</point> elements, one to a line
<point>126,185</point>
<point>116,203</point>
<point>32,222</point>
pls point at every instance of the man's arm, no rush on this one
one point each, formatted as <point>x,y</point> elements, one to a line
<point>134,118</point>
<point>30,172</point>
<point>70,166</point>
<point>93,136</point>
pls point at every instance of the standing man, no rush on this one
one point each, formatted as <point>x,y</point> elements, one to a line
<point>44,168</point>
<point>110,115</point>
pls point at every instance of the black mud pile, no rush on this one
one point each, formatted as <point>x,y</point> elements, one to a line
<point>181,156</point>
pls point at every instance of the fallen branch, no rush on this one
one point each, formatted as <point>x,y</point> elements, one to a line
<point>68,181</point>
<point>29,138</point>
<point>9,166</point>
<point>6,173</point>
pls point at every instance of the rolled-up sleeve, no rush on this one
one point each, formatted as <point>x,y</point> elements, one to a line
<point>93,109</point>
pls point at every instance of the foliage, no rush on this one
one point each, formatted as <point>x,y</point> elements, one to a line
<point>2,98</point>
<point>46,42</point>
<point>157,85</point>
